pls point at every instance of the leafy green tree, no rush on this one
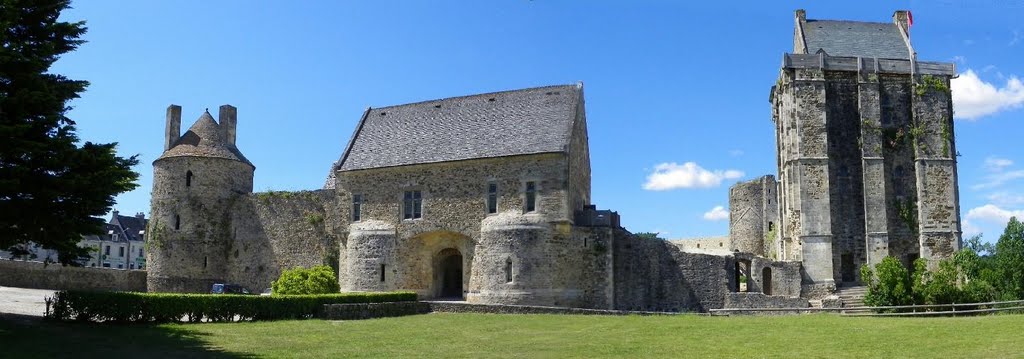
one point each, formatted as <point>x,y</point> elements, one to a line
<point>1009,261</point>
<point>52,191</point>
<point>316,280</point>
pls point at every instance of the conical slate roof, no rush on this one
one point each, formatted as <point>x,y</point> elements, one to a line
<point>204,139</point>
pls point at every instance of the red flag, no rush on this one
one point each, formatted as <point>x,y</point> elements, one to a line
<point>910,19</point>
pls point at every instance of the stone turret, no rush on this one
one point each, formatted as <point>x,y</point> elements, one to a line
<point>195,181</point>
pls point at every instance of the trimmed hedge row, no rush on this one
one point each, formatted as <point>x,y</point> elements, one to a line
<point>126,307</point>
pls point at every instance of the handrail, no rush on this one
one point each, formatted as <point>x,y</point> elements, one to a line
<point>873,311</point>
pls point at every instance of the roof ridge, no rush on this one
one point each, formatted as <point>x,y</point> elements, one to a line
<point>473,95</point>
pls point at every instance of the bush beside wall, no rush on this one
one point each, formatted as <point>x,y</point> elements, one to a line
<point>126,307</point>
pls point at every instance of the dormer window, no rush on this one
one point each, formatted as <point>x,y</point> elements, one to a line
<point>188,179</point>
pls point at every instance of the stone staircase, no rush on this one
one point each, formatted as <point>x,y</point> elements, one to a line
<point>852,296</point>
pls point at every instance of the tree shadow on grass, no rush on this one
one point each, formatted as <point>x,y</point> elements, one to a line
<point>30,337</point>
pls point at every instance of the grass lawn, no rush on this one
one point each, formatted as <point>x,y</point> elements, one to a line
<point>551,336</point>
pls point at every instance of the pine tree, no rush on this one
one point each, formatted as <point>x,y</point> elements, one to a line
<point>52,191</point>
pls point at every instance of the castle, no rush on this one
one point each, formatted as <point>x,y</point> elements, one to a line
<point>486,198</point>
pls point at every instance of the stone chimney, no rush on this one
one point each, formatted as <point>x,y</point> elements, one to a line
<point>228,120</point>
<point>140,215</point>
<point>173,131</point>
<point>799,19</point>
<point>902,19</point>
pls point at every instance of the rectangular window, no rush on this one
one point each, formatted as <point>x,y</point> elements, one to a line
<point>120,252</point>
<point>531,196</point>
<point>106,252</point>
<point>383,270</point>
<point>140,253</point>
<point>413,201</point>
<point>492,197</point>
<point>357,207</point>
<point>106,264</point>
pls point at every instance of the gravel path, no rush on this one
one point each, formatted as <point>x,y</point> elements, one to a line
<point>23,301</point>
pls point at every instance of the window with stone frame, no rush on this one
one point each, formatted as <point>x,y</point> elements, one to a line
<point>357,207</point>
<point>492,197</point>
<point>531,197</point>
<point>412,205</point>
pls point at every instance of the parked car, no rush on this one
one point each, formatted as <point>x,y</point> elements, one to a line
<point>220,288</point>
<point>268,291</point>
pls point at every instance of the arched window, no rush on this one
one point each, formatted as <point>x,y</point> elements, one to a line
<point>508,270</point>
<point>188,179</point>
<point>383,269</point>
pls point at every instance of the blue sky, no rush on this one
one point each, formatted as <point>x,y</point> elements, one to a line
<point>671,87</point>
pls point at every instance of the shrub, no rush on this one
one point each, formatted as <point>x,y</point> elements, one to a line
<point>889,284</point>
<point>316,280</point>
<point>125,307</point>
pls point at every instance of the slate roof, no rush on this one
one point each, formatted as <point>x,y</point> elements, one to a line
<point>854,38</point>
<point>204,139</point>
<point>131,226</point>
<point>517,122</point>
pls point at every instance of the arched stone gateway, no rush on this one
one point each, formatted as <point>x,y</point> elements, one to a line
<point>449,274</point>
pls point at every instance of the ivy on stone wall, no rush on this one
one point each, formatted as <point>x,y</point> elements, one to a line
<point>907,211</point>
<point>929,83</point>
<point>769,244</point>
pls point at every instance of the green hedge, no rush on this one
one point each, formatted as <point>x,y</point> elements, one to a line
<point>125,307</point>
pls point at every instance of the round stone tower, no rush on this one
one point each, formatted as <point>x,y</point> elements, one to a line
<point>195,181</point>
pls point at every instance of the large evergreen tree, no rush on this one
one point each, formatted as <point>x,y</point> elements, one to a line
<point>52,191</point>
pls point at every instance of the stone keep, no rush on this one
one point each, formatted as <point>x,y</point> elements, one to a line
<point>866,158</point>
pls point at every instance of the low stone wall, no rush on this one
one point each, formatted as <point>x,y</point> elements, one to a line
<point>462,307</point>
<point>396,309</point>
<point>35,275</point>
<point>373,310</point>
<point>759,300</point>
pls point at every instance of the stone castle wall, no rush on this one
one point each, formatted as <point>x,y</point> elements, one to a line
<point>274,231</point>
<point>35,275</point>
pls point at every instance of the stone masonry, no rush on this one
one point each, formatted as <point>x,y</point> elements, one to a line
<point>486,198</point>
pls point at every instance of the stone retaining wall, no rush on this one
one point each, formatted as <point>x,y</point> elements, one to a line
<point>396,309</point>
<point>35,275</point>
<point>352,311</point>
<point>759,300</point>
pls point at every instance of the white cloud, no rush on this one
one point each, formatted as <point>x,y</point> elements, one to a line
<point>998,179</point>
<point>1006,198</point>
<point>736,153</point>
<point>959,59</point>
<point>1017,37</point>
<point>997,164</point>
<point>969,229</point>
<point>716,214</point>
<point>994,214</point>
<point>671,175</point>
<point>974,98</point>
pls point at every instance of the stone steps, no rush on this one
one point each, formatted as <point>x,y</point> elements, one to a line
<point>852,296</point>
